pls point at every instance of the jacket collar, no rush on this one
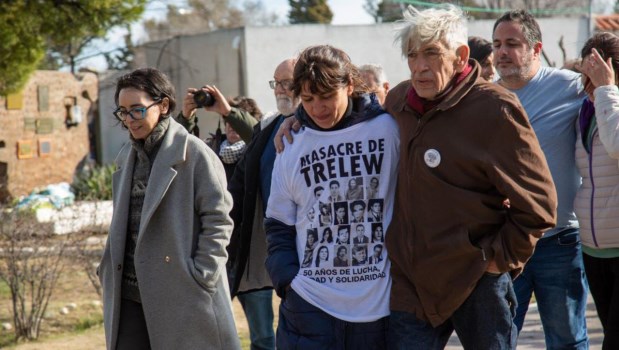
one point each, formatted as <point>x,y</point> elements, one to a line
<point>453,97</point>
<point>173,151</point>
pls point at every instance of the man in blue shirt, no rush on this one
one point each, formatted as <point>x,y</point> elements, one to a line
<point>552,99</point>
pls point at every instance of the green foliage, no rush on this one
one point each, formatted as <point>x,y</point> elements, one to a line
<point>121,59</point>
<point>202,16</point>
<point>384,10</point>
<point>88,322</point>
<point>22,48</point>
<point>60,29</point>
<point>5,291</point>
<point>309,11</point>
<point>94,184</point>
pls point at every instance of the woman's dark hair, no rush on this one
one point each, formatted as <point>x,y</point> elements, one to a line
<point>247,104</point>
<point>607,44</point>
<point>318,254</point>
<point>357,181</point>
<point>324,236</point>
<point>313,233</point>
<point>324,69</point>
<point>153,82</point>
<point>325,206</point>
<point>480,48</point>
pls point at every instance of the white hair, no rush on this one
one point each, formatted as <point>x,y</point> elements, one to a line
<point>446,23</point>
<point>377,70</point>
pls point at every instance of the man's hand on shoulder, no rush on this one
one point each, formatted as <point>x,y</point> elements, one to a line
<point>288,126</point>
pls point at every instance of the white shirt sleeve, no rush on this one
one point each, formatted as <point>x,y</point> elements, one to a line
<point>281,205</point>
<point>607,115</point>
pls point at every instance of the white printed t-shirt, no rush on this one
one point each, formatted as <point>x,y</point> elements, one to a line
<point>362,161</point>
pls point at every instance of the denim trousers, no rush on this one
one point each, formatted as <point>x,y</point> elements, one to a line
<point>303,326</point>
<point>603,278</point>
<point>555,273</point>
<point>483,322</point>
<point>258,308</point>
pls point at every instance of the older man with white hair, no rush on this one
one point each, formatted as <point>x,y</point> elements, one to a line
<point>467,146</point>
<point>250,187</point>
<point>375,78</point>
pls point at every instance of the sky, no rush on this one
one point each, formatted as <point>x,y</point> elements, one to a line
<point>344,12</point>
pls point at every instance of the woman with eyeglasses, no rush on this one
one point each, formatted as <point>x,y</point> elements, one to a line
<point>163,268</point>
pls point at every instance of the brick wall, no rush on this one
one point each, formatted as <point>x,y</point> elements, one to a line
<point>35,122</point>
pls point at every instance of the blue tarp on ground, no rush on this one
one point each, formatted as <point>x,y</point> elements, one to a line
<point>58,195</point>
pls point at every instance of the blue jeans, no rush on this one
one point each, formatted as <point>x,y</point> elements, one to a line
<point>303,326</point>
<point>258,308</point>
<point>483,321</point>
<point>555,273</point>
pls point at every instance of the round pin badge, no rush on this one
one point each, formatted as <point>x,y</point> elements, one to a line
<point>432,158</point>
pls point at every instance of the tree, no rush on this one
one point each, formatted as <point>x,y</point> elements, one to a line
<point>309,11</point>
<point>31,261</point>
<point>207,15</point>
<point>385,10</point>
<point>121,58</point>
<point>56,29</point>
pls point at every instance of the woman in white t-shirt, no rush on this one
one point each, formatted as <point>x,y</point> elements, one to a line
<point>347,137</point>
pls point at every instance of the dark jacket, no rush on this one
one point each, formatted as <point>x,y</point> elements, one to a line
<point>459,161</point>
<point>245,189</point>
<point>283,261</point>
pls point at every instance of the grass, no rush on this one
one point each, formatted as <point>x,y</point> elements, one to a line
<point>82,327</point>
<point>5,291</point>
<point>92,320</point>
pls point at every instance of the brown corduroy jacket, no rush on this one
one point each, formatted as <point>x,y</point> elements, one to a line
<point>459,161</point>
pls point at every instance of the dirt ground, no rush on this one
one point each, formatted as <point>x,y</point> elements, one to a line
<point>59,332</point>
<point>81,328</point>
<point>93,338</point>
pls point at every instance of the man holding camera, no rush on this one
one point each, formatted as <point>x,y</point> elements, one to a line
<point>212,100</point>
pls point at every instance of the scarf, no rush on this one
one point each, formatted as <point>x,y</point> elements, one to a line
<point>146,151</point>
<point>231,153</point>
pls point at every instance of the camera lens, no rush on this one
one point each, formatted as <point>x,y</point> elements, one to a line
<point>203,99</point>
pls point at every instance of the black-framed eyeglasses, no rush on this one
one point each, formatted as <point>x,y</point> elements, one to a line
<point>286,84</point>
<point>133,112</point>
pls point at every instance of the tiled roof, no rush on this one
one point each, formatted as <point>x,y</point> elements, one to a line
<point>607,22</point>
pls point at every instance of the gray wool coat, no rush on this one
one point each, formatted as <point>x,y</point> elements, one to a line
<point>180,254</point>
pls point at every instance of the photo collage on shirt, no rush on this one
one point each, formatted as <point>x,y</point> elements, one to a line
<point>345,224</point>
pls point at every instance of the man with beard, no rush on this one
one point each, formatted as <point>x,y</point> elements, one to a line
<point>551,98</point>
<point>341,260</point>
<point>249,278</point>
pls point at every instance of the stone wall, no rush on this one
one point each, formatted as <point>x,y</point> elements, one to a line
<point>42,142</point>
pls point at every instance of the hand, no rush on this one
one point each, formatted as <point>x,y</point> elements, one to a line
<point>599,72</point>
<point>493,268</point>
<point>288,124</point>
<point>221,105</point>
<point>189,105</point>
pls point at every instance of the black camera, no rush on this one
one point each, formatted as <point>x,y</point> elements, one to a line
<point>203,99</point>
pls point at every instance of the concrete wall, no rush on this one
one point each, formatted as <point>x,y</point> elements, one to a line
<point>241,61</point>
<point>267,46</point>
<point>69,145</point>
<point>113,135</point>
